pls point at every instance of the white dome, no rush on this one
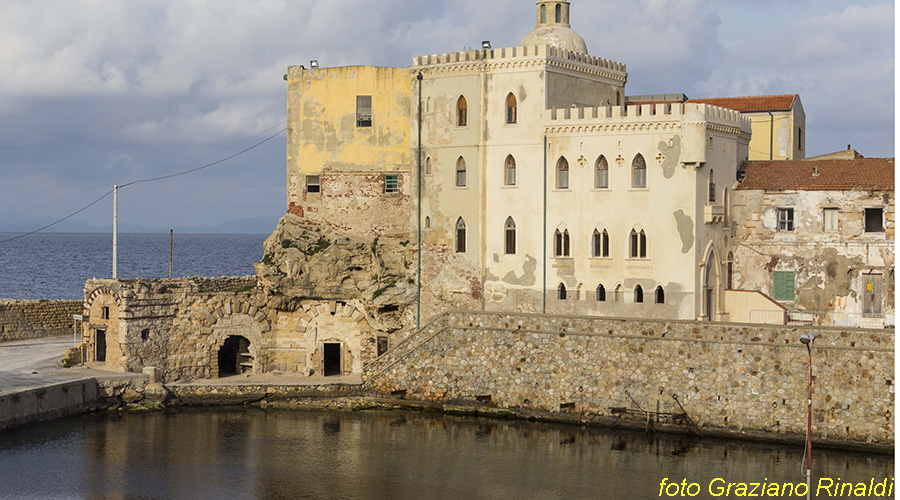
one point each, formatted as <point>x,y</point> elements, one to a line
<point>557,36</point>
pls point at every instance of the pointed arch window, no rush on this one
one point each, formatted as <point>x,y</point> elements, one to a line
<point>562,173</point>
<point>561,292</point>
<point>712,186</point>
<point>511,108</point>
<point>601,173</point>
<point>638,244</point>
<point>601,293</point>
<point>462,112</point>
<point>461,172</point>
<point>460,235</point>
<point>510,233</point>
<point>639,172</point>
<point>638,294</point>
<point>729,272</point>
<point>561,243</point>
<point>509,171</point>
<point>619,295</point>
<point>600,244</point>
<point>660,295</point>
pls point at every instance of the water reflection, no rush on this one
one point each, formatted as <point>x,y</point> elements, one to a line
<point>249,453</point>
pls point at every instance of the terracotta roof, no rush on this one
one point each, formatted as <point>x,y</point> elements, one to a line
<point>823,175</point>
<point>751,103</point>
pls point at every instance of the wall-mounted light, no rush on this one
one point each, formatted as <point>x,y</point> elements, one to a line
<point>486,44</point>
<point>314,64</point>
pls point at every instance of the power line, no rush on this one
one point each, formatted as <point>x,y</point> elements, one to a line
<point>167,176</point>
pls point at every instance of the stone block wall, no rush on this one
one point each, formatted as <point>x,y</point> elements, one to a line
<point>32,319</point>
<point>731,377</point>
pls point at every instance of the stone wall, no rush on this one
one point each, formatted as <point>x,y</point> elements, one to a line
<point>729,377</point>
<point>32,319</point>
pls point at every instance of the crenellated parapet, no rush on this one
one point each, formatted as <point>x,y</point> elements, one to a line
<point>516,57</point>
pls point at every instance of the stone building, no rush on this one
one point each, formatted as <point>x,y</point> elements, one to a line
<point>817,236</point>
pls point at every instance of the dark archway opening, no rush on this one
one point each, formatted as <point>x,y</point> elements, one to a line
<point>101,345</point>
<point>235,357</point>
<point>332,359</point>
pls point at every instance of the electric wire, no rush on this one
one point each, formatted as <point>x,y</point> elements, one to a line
<point>166,176</point>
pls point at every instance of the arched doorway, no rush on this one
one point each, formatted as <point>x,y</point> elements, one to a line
<point>710,286</point>
<point>235,357</point>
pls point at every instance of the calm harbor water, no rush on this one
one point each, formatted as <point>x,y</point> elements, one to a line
<point>251,453</point>
<point>55,266</point>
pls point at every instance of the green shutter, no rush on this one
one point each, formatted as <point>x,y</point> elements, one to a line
<point>784,285</point>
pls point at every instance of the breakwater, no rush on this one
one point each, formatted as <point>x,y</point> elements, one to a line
<point>728,378</point>
<point>32,319</point>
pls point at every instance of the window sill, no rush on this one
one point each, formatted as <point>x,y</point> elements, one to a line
<point>602,190</point>
<point>594,257</point>
<point>460,187</point>
<point>637,259</point>
<point>558,190</point>
<point>560,257</point>
<point>639,189</point>
<point>513,186</point>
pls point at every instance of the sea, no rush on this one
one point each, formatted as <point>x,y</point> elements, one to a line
<point>56,266</point>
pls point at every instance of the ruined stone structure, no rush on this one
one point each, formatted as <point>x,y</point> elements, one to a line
<point>818,237</point>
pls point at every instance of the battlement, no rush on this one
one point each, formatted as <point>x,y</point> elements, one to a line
<point>533,52</point>
<point>644,113</point>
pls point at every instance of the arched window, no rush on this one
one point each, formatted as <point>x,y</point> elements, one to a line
<point>558,13</point>
<point>428,166</point>
<point>618,98</point>
<point>460,235</point>
<point>601,293</point>
<point>511,108</point>
<point>561,291</point>
<point>620,294</point>
<point>561,243</point>
<point>729,272</point>
<point>600,244</point>
<point>638,244</point>
<point>428,105</point>
<point>638,294</point>
<point>712,186</point>
<point>543,14</point>
<point>461,172</point>
<point>601,173</point>
<point>509,171</point>
<point>427,222</point>
<point>462,112</point>
<point>660,295</point>
<point>562,173</point>
<point>639,172</point>
<point>510,231</point>
<point>726,201</point>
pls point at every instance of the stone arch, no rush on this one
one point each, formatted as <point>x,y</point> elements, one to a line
<point>710,283</point>
<point>103,290</point>
<point>336,322</point>
<point>237,325</point>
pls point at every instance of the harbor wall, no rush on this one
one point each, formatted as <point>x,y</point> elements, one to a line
<point>729,378</point>
<point>32,319</point>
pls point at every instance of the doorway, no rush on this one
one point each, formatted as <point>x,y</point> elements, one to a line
<point>871,295</point>
<point>234,356</point>
<point>331,357</point>
<point>100,343</point>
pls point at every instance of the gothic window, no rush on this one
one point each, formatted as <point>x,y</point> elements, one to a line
<point>462,110</point>
<point>638,244</point>
<point>510,232</point>
<point>562,173</point>
<point>660,295</point>
<point>638,294</point>
<point>639,172</point>
<point>511,108</point>
<point>619,295</point>
<point>712,186</point>
<point>561,291</point>
<point>729,272</point>
<point>509,171</point>
<point>460,235</point>
<point>461,172</point>
<point>363,111</point>
<point>601,293</point>
<point>427,222</point>
<point>561,243</point>
<point>601,173</point>
<point>428,166</point>
<point>600,244</point>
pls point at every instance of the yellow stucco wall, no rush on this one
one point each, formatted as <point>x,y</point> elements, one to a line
<point>778,132</point>
<point>323,135</point>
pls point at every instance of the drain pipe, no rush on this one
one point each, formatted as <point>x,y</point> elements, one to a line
<point>544,289</point>
<point>771,135</point>
<point>419,222</point>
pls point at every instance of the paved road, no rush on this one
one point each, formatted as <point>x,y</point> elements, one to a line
<point>19,360</point>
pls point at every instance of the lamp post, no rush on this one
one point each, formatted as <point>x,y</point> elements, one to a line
<point>807,340</point>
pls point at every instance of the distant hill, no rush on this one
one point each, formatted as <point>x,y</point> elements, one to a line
<point>17,222</point>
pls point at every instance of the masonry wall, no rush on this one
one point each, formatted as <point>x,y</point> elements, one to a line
<point>735,377</point>
<point>31,319</point>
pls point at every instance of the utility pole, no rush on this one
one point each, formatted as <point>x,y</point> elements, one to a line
<point>171,238</point>
<point>115,274</point>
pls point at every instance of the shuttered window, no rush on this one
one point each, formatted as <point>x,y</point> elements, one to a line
<point>784,285</point>
<point>363,111</point>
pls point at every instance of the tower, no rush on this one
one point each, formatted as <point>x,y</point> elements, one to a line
<point>553,28</point>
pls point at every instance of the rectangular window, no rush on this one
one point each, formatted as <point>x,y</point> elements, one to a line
<point>874,220</point>
<point>831,219</point>
<point>391,183</point>
<point>785,219</point>
<point>640,178</point>
<point>382,345</point>
<point>800,138</point>
<point>104,313</point>
<point>460,177</point>
<point>363,111</point>
<point>602,180</point>
<point>784,285</point>
<point>313,184</point>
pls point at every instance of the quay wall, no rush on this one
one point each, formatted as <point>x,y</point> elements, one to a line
<point>729,378</point>
<point>32,319</point>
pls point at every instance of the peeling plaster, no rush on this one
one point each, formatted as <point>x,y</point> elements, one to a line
<point>528,273</point>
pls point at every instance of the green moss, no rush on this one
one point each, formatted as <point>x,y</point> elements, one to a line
<point>380,291</point>
<point>244,289</point>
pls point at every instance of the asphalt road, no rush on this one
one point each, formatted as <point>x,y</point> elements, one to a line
<point>20,360</point>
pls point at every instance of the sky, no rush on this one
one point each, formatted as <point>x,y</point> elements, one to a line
<point>101,92</point>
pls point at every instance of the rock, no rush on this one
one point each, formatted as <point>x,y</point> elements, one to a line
<point>131,396</point>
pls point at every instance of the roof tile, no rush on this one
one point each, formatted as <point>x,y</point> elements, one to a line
<point>823,175</point>
<point>751,103</point>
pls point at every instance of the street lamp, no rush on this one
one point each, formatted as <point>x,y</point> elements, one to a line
<point>807,340</point>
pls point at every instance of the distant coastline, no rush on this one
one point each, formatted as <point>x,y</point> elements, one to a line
<point>14,224</point>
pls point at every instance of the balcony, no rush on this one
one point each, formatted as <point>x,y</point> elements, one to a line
<point>713,214</point>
